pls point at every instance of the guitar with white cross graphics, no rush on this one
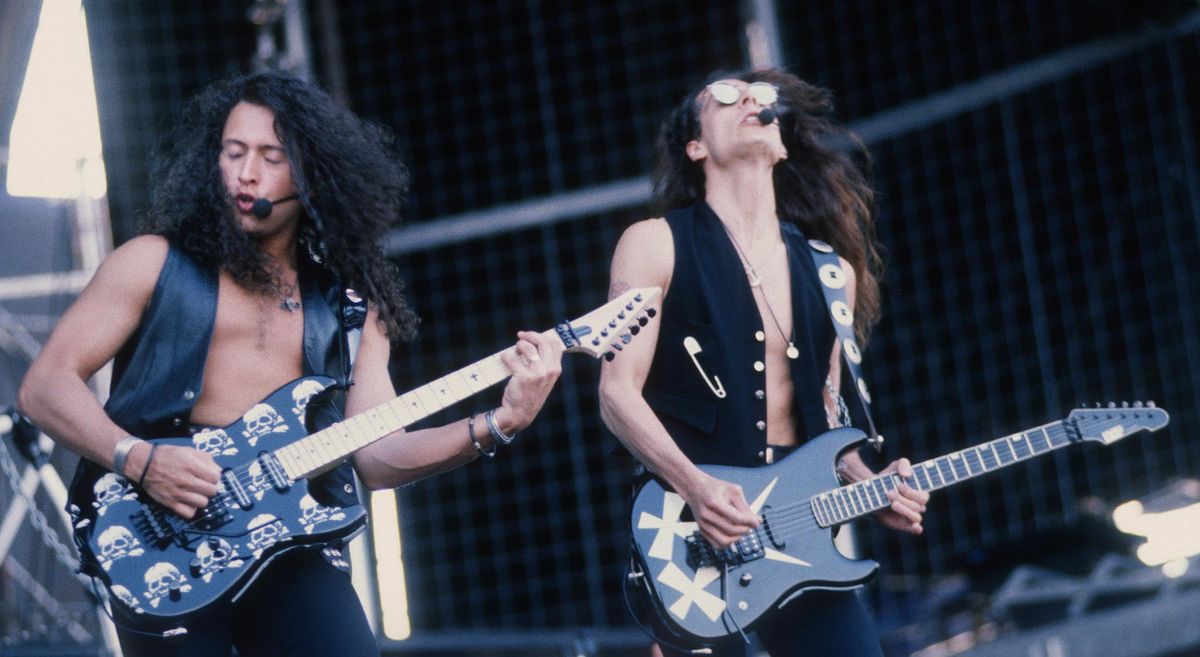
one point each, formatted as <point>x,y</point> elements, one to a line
<point>161,568</point>
<point>708,593</point>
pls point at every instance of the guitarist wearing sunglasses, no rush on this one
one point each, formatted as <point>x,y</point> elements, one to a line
<point>272,202</point>
<point>743,366</point>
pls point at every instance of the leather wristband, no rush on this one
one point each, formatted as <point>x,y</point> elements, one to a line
<point>471,435</point>
<point>121,453</point>
<point>146,468</point>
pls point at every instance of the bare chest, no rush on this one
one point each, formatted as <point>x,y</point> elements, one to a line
<point>255,348</point>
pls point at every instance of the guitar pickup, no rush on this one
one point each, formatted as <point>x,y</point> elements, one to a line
<point>701,553</point>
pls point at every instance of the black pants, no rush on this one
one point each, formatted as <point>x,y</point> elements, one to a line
<point>817,624</point>
<point>300,605</point>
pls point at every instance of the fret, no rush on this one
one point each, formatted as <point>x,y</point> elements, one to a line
<point>981,454</point>
<point>415,405</point>
<point>869,502</point>
<point>388,413</point>
<point>458,386</point>
<point>1017,444</point>
<point>872,494</point>
<point>995,454</point>
<point>843,511</point>
<point>966,455</point>
<point>444,394</point>
<point>880,490</point>
<point>860,502</point>
<point>400,409</point>
<point>1011,451</point>
<point>818,512</point>
<point>945,470</point>
<point>830,512</point>
<point>428,399</point>
<point>1049,445</point>
<point>1029,444</point>
<point>955,462</point>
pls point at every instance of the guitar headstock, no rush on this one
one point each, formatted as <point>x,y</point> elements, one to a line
<point>1110,424</point>
<point>606,330</point>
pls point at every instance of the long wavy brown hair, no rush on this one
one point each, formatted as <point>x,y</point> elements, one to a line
<point>348,171</point>
<point>823,186</point>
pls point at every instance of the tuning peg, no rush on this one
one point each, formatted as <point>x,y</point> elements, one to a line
<point>629,306</point>
<point>1124,404</point>
<point>1137,404</point>
<point>604,333</point>
<point>1151,404</point>
<point>595,342</point>
<point>1112,404</point>
<point>637,297</point>
<point>621,315</point>
<point>608,356</point>
<point>625,337</point>
<point>635,329</point>
<point>612,324</point>
<point>643,320</point>
<point>651,312</point>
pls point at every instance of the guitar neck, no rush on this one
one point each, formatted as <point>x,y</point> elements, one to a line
<point>869,495</point>
<point>318,451</point>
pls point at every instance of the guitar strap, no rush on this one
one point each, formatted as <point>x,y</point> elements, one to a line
<point>354,315</point>
<point>833,285</point>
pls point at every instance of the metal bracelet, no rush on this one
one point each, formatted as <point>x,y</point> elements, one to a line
<point>471,435</point>
<point>497,435</point>
<point>121,453</point>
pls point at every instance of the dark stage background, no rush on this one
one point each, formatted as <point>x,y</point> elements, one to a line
<point>1038,178</point>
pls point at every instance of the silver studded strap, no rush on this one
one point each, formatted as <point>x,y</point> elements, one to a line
<point>833,285</point>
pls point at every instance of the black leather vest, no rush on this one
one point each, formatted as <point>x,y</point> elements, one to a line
<point>710,301</point>
<point>159,372</point>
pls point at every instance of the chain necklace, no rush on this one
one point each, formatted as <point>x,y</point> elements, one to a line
<point>285,293</point>
<point>756,284</point>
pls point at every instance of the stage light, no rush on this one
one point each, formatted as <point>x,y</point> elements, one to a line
<point>389,565</point>
<point>1170,522</point>
<point>54,146</point>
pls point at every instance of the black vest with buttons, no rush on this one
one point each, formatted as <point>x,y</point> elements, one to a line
<point>710,300</point>
<point>158,373</point>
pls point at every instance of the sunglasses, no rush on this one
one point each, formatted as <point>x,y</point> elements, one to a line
<point>725,93</point>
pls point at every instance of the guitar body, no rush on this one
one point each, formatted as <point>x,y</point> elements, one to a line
<point>708,596</point>
<point>161,567</point>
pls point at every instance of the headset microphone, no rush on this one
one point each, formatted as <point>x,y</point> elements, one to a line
<point>262,207</point>
<point>767,116</point>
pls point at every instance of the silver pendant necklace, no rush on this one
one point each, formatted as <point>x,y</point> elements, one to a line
<point>285,293</point>
<point>756,284</point>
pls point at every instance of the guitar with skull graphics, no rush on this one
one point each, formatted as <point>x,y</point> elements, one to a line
<point>707,593</point>
<point>161,567</point>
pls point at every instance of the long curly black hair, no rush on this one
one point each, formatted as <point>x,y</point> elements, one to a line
<point>821,187</point>
<point>348,171</point>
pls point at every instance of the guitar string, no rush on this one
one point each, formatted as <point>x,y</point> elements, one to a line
<point>242,474</point>
<point>799,515</point>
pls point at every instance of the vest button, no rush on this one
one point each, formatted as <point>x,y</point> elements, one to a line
<point>759,336</point>
<point>758,366</point>
<point>188,394</point>
<point>759,394</point>
<point>177,422</point>
<point>762,455</point>
<point>760,425</point>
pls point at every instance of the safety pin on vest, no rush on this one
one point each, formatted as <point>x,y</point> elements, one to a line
<point>693,348</point>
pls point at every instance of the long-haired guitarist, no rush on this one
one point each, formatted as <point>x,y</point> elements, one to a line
<point>743,365</point>
<point>270,203</point>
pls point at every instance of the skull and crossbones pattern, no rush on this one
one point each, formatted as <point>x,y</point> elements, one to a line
<point>265,530</point>
<point>313,513</point>
<point>127,598</point>
<point>258,481</point>
<point>110,489</point>
<point>214,441</point>
<point>159,579</point>
<point>262,420</point>
<point>216,559</point>
<point>117,542</point>
<point>302,394</point>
